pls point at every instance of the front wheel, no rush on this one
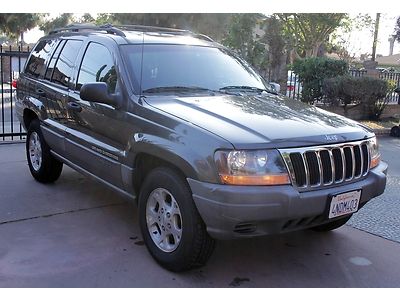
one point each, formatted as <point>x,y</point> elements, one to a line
<point>172,228</point>
<point>43,166</point>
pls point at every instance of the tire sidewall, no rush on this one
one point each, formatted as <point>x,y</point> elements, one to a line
<point>35,127</point>
<point>163,178</point>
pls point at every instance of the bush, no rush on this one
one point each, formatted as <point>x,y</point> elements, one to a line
<point>312,72</point>
<point>366,91</point>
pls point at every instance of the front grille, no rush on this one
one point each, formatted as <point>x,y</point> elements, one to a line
<point>314,167</point>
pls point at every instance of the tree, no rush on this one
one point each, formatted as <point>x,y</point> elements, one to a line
<point>14,25</point>
<point>339,41</point>
<point>397,30</point>
<point>374,43</point>
<point>58,22</point>
<point>242,38</point>
<point>277,54</point>
<point>306,33</point>
<point>214,25</point>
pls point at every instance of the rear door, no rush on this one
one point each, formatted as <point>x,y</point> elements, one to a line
<point>54,88</point>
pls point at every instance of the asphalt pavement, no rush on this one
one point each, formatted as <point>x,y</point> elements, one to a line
<point>77,233</point>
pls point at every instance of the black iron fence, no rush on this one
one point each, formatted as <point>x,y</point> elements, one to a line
<point>12,61</point>
<point>294,86</point>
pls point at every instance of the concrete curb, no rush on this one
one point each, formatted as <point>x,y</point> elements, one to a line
<point>382,132</point>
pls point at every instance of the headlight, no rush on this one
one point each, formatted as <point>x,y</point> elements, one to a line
<point>374,152</point>
<point>255,167</point>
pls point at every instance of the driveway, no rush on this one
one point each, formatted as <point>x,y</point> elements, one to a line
<point>77,233</point>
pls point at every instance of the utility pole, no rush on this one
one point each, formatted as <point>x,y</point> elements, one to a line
<point>378,16</point>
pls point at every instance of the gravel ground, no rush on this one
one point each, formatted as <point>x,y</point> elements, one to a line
<point>381,216</point>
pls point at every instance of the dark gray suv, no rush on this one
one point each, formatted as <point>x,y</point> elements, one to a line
<point>189,131</point>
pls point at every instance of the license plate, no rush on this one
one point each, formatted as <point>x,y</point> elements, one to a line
<point>344,204</point>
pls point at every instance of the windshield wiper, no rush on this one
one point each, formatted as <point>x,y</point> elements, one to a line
<point>161,89</point>
<point>246,88</point>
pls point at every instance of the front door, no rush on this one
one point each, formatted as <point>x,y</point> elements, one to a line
<point>97,140</point>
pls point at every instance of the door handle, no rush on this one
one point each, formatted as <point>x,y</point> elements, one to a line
<point>74,106</point>
<point>40,92</point>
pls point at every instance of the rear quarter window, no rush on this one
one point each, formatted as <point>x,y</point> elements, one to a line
<point>37,61</point>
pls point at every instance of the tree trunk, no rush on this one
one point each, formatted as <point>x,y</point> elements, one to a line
<point>279,72</point>
<point>375,36</point>
<point>22,38</point>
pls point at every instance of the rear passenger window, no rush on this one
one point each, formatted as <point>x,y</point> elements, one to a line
<point>36,63</point>
<point>64,66</point>
<point>53,60</point>
<point>97,66</point>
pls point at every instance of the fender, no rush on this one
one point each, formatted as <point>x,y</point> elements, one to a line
<point>192,163</point>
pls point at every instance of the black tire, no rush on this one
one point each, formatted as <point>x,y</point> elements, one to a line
<point>331,225</point>
<point>49,169</point>
<point>195,246</point>
<point>395,131</point>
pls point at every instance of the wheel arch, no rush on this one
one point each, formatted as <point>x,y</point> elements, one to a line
<point>28,116</point>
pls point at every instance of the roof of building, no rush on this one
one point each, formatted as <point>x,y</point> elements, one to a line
<point>393,60</point>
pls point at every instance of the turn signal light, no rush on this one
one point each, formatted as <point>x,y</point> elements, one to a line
<point>278,179</point>
<point>375,161</point>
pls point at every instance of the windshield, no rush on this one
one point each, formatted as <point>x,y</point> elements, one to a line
<point>169,67</point>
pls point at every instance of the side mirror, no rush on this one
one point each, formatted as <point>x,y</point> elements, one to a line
<point>98,92</point>
<point>397,90</point>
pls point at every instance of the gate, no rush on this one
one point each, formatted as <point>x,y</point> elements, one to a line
<point>12,61</point>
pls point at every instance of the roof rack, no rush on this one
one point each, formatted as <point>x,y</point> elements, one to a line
<point>146,28</point>
<point>118,30</point>
<point>82,27</point>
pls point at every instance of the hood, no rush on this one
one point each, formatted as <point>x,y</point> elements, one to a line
<point>248,121</point>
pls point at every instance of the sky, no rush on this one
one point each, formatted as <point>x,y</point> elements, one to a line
<point>358,42</point>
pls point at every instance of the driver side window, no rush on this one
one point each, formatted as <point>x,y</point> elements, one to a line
<point>97,66</point>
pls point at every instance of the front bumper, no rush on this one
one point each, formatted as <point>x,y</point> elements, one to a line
<point>246,211</point>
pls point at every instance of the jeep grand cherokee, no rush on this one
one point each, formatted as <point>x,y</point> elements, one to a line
<point>190,132</point>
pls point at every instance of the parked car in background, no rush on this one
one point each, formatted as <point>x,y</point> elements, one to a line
<point>294,86</point>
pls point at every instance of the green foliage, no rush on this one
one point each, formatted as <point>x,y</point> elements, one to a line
<point>241,38</point>
<point>214,25</point>
<point>14,25</point>
<point>58,22</point>
<point>312,71</point>
<point>366,91</point>
<point>397,30</point>
<point>306,32</point>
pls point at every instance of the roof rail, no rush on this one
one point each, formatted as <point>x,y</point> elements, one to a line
<point>82,27</point>
<point>118,30</point>
<point>145,28</point>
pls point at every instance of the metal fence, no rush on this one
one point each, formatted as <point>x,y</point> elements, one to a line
<point>12,61</point>
<point>295,87</point>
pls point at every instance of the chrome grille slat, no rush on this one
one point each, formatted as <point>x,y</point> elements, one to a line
<point>353,170</point>
<point>362,161</point>
<point>343,164</point>
<point>333,166</point>
<point>303,156</point>
<point>312,171</point>
<point>321,170</point>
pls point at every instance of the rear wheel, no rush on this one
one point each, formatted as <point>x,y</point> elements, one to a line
<point>395,131</point>
<point>331,225</point>
<point>43,166</point>
<point>171,226</point>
